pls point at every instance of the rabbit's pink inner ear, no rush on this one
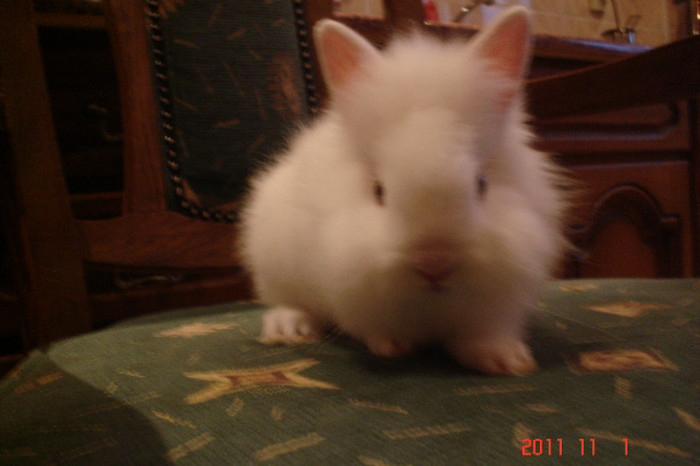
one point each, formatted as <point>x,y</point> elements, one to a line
<point>341,59</point>
<point>507,43</point>
<point>341,52</point>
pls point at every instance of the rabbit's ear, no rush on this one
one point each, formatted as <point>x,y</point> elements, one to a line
<point>341,52</point>
<point>506,43</point>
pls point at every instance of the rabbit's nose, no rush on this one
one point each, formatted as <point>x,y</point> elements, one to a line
<point>434,266</point>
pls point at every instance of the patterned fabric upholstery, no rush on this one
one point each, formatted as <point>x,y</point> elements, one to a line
<point>618,384</point>
<point>233,78</point>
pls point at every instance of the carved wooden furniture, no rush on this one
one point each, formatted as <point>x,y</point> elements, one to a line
<point>46,259</point>
<point>150,236</point>
<point>635,151</point>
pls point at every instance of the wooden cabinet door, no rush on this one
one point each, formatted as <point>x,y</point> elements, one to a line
<point>632,213</point>
<point>632,220</point>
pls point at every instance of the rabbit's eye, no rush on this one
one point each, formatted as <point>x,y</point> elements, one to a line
<point>378,190</point>
<point>481,185</point>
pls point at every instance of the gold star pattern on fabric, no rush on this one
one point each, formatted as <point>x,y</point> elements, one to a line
<point>195,329</point>
<point>226,382</point>
<point>520,432</point>
<point>690,420</point>
<point>627,308</point>
<point>190,446</point>
<point>578,287</point>
<point>273,451</point>
<point>619,360</point>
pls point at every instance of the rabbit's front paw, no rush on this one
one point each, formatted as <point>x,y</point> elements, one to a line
<point>287,326</point>
<point>496,357</point>
<point>388,348</point>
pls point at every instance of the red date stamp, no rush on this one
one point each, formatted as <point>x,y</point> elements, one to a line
<point>555,447</point>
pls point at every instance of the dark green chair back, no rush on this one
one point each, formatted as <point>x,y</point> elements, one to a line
<point>232,77</point>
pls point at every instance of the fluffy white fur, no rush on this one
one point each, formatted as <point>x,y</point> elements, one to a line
<point>466,231</point>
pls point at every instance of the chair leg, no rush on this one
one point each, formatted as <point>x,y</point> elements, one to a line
<point>49,265</point>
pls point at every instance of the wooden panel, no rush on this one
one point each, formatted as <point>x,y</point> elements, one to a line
<point>662,127</point>
<point>144,189</point>
<point>50,275</point>
<point>404,13</point>
<point>198,290</point>
<point>620,249</point>
<point>695,181</point>
<point>633,220</point>
<point>160,241</point>
<point>67,20</point>
<point>672,73</point>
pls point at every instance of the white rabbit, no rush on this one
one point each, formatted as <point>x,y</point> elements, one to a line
<point>413,211</point>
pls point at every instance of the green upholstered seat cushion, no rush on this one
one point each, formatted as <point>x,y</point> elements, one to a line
<point>618,360</point>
